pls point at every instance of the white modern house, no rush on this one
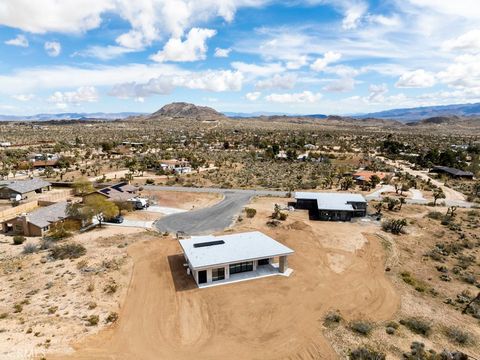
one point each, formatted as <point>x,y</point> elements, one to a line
<point>235,257</point>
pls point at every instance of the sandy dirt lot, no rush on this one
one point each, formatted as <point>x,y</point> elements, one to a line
<point>164,315</point>
<point>57,296</point>
<point>182,200</point>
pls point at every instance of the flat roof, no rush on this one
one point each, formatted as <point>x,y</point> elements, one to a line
<point>235,248</point>
<point>331,201</point>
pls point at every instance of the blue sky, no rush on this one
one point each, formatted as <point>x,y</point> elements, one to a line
<point>294,56</point>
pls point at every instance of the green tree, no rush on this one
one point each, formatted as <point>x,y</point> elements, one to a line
<point>100,208</point>
<point>438,194</point>
<point>83,186</point>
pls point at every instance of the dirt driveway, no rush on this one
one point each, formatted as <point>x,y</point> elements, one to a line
<point>164,316</point>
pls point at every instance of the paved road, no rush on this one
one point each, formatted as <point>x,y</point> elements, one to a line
<point>211,219</point>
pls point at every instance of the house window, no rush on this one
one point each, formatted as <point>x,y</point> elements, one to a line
<point>241,267</point>
<point>218,274</point>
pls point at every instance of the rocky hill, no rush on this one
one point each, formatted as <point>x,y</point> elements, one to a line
<point>188,111</point>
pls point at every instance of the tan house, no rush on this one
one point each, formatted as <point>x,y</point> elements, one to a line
<point>23,189</point>
<point>37,222</point>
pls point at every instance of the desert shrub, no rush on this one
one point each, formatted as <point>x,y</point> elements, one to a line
<point>67,251</point>
<point>465,261</point>
<point>29,248</point>
<point>250,212</point>
<point>394,226</point>
<point>52,309</point>
<point>282,216</point>
<point>332,317</point>
<point>436,215</point>
<point>3,315</point>
<point>112,317</point>
<point>93,320</point>
<point>419,285</point>
<point>418,326</point>
<point>364,353</point>
<point>361,327</point>
<point>111,287</point>
<point>457,335</point>
<point>17,308</point>
<point>149,181</point>
<point>19,240</point>
<point>46,244</point>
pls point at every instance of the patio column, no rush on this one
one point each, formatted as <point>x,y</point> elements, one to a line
<point>283,266</point>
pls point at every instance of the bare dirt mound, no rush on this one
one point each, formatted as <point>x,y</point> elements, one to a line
<point>165,316</point>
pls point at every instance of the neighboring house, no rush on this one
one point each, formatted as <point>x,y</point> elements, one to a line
<point>37,222</point>
<point>332,206</point>
<point>363,177</point>
<point>226,258</point>
<point>173,164</point>
<point>23,189</point>
<point>117,193</point>
<point>452,172</point>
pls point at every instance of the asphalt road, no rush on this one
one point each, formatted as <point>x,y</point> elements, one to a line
<point>210,219</point>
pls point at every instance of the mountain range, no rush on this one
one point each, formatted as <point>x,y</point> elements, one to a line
<point>69,116</point>
<point>434,114</point>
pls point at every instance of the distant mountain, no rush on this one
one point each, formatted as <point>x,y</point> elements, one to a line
<point>187,111</point>
<point>419,113</point>
<point>69,116</point>
<point>268,113</point>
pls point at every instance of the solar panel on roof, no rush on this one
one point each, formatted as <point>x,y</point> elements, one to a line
<point>209,243</point>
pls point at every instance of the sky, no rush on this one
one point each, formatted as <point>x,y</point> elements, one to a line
<point>291,56</point>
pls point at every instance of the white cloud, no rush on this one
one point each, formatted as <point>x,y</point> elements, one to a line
<point>377,92</point>
<point>23,97</point>
<point>82,94</point>
<point>294,98</point>
<point>19,40</point>
<point>296,62</point>
<point>54,77</point>
<point>53,48</point>
<point>328,58</point>
<point>470,41</point>
<point>192,49</point>
<point>66,16</point>
<point>416,79</point>
<point>286,81</point>
<point>353,14</point>
<point>258,70</point>
<point>252,96</point>
<point>464,72</point>
<point>104,52</point>
<point>216,81</point>
<point>150,20</point>
<point>222,53</point>
<point>340,85</point>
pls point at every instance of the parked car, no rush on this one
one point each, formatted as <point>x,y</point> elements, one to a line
<point>115,220</point>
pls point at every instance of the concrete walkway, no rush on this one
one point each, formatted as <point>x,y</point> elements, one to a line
<point>261,272</point>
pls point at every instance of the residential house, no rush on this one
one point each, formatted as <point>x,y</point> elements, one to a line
<point>363,177</point>
<point>117,193</point>
<point>332,206</point>
<point>37,222</point>
<point>23,189</point>
<point>452,172</point>
<point>228,258</point>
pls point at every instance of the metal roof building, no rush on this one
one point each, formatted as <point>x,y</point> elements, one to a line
<point>332,206</point>
<point>219,258</point>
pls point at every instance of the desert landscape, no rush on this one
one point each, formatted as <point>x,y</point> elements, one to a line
<point>239,179</point>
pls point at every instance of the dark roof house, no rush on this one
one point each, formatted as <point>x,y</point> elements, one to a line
<point>456,173</point>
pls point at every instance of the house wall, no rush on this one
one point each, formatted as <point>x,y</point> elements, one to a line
<point>22,227</point>
<point>226,268</point>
